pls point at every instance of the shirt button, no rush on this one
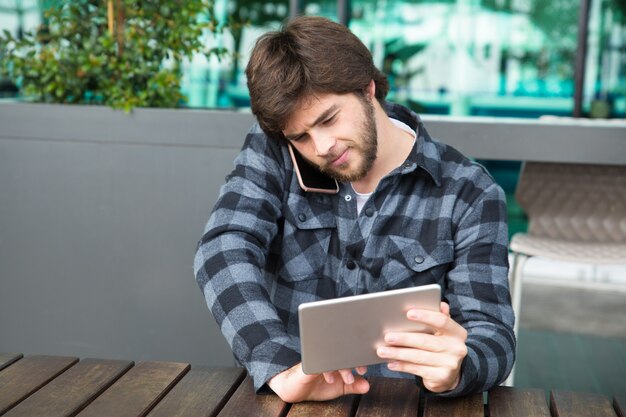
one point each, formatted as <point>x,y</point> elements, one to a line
<point>348,197</point>
<point>350,265</point>
<point>419,259</point>
<point>369,212</point>
<point>302,217</point>
<point>408,165</point>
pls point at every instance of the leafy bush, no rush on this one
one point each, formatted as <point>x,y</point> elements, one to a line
<point>121,53</point>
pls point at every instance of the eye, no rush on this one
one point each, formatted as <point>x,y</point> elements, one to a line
<point>298,138</point>
<point>330,120</point>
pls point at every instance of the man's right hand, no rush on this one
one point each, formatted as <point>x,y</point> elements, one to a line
<point>293,385</point>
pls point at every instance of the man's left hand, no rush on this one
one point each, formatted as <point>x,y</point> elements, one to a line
<point>437,357</point>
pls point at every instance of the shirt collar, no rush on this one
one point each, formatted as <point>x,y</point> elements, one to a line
<point>425,154</point>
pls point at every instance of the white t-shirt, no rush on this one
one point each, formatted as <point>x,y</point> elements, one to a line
<point>361,199</point>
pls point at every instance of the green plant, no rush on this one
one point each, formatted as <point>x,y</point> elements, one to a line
<point>121,53</point>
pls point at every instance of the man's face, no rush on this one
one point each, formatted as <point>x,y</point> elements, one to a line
<point>336,133</point>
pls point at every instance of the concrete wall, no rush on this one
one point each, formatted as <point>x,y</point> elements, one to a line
<point>100,213</point>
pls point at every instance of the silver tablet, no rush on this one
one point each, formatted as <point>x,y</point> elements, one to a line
<point>344,333</point>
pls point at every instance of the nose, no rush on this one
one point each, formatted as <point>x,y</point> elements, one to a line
<point>323,144</point>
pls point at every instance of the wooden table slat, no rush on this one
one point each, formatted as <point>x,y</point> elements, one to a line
<point>78,386</point>
<point>341,407</point>
<point>579,404</point>
<point>202,392</point>
<point>512,402</point>
<point>7,359</point>
<point>27,375</point>
<point>62,386</point>
<point>135,393</point>
<point>468,406</point>
<point>390,397</point>
<point>620,406</point>
<point>245,402</point>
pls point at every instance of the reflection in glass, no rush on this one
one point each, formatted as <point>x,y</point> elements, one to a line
<point>464,57</point>
<point>605,82</point>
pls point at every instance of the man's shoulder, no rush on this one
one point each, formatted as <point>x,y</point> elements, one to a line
<point>257,142</point>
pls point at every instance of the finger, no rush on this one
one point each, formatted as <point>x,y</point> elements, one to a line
<point>329,377</point>
<point>422,341</point>
<point>433,319</point>
<point>441,323</point>
<point>360,386</point>
<point>346,376</point>
<point>434,379</point>
<point>445,308</point>
<point>415,356</point>
<point>361,370</point>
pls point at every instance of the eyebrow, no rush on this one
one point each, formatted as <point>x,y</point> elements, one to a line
<point>323,116</point>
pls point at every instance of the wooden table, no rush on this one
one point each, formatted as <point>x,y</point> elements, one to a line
<point>66,386</point>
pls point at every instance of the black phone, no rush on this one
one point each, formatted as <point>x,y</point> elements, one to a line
<point>310,178</point>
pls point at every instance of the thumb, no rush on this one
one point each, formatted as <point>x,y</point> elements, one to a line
<point>302,377</point>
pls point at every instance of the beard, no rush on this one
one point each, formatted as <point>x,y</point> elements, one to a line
<point>366,146</point>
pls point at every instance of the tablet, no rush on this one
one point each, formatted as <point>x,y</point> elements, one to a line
<point>344,333</point>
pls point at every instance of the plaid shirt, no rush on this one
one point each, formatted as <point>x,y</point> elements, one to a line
<point>438,218</point>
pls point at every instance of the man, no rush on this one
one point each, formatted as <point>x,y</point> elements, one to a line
<point>409,211</point>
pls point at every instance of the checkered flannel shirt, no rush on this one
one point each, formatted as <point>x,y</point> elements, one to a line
<point>438,218</point>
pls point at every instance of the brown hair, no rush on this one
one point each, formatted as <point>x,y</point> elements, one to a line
<point>310,55</point>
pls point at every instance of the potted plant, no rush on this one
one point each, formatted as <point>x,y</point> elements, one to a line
<point>120,53</point>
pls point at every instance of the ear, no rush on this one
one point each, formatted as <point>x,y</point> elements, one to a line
<point>370,90</point>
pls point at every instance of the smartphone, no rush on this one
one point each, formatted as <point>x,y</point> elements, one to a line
<point>310,178</point>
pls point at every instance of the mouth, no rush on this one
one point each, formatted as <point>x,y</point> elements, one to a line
<point>341,159</point>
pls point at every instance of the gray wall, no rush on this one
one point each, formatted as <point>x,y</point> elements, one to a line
<point>99,216</point>
<point>100,213</point>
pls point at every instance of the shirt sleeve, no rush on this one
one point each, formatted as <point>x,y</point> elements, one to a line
<point>231,255</point>
<point>478,290</point>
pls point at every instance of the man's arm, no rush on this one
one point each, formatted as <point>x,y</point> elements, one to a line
<point>478,292</point>
<point>473,346</point>
<point>231,256</point>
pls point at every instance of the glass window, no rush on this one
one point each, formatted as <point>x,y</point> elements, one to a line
<point>324,8</point>
<point>17,16</point>
<point>472,57</point>
<point>605,78</point>
<point>222,83</point>
<point>460,57</point>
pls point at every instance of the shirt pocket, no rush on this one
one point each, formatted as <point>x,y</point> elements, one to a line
<point>411,263</point>
<point>308,231</point>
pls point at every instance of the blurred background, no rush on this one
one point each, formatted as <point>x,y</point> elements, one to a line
<point>511,58</point>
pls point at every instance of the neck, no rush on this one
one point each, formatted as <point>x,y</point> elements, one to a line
<point>394,146</point>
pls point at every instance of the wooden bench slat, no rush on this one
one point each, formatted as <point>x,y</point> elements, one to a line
<point>27,375</point>
<point>78,386</point>
<point>135,393</point>
<point>390,397</point>
<point>575,404</point>
<point>620,406</point>
<point>201,392</point>
<point>468,406</point>
<point>512,402</point>
<point>7,359</point>
<point>245,402</point>
<point>341,407</point>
